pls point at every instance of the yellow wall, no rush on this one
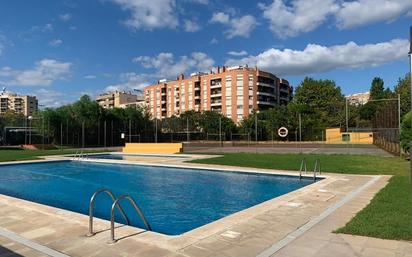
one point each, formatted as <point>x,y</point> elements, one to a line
<point>334,136</point>
<point>155,148</point>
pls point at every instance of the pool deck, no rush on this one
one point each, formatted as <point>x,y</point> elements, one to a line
<point>296,224</point>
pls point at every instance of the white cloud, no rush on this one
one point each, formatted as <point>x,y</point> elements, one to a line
<point>151,14</point>
<point>167,67</point>
<point>50,98</point>
<point>316,58</point>
<point>44,73</point>
<point>236,27</point>
<point>291,18</point>
<point>56,42</point>
<point>130,81</point>
<point>297,17</point>
<point>361,12</point>
<point>65,17</point>
<point>214,41</point>
<point>191,26</point>
<point>240,53</point>
<point>90,76</point>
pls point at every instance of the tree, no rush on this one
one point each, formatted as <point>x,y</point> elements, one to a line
<point>377,89</point>
<point>406,132</point>
<point>320,102</point>
<point>377,92</point>
<point>404,89</point>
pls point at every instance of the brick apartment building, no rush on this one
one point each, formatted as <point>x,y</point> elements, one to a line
<point>233,91</point>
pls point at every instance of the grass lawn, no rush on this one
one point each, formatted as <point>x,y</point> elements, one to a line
<point>19,155</point>
<point>389,215</point>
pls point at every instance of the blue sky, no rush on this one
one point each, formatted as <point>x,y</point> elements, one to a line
<point>60,50</point>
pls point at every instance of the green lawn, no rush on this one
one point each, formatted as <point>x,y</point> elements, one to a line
<point>18,155</point>
<point>389,215</point>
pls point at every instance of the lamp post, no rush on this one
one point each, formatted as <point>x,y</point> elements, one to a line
<point>410,74</point>
<point>30,118</point>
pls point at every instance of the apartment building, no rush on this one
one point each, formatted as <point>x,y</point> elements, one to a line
<point>358,98</point>
<point>118,99</point>
<point>24,104</point>
<point>233,91</point>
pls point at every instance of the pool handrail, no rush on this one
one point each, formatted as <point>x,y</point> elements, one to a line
<point>136,207</point>
<point>91,208</point>
<point>302,166</point>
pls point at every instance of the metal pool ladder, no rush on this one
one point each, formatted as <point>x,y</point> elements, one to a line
<point>137,209</point>
<point>91,208</point>
<point>303,167</point>
<point>79,155</point>
<point>116,203</point>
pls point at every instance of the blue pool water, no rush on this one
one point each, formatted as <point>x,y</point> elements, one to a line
<point>173,200</point>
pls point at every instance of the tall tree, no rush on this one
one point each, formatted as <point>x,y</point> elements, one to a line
<point>404,89</point>
<point>320,102</point>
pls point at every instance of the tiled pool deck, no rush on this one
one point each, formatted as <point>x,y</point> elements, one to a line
<point>295,224</point>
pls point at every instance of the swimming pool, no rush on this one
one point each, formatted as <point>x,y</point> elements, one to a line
<point>173,200</point>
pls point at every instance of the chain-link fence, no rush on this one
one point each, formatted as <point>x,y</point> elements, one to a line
<point>299,138</point>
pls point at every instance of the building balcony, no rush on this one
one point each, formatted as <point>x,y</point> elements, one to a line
<point>216,95</point>
<point>217,103</point>
<point>266,103</point>
<point>265,84</point>
<point>217,85</point>
<point>283,89</point>
<point>265,93</point>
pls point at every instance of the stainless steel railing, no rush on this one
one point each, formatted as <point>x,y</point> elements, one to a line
<point>316,170</point>
<point>91,208</point>
<point>136,207</point>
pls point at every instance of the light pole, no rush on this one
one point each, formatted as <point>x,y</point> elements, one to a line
<point>220,131</point>
<point>347,116</point>
<point>410,74</point>
<point>30,118</point>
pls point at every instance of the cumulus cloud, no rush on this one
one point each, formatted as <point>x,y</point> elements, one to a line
<point>65,17</point>
<point>191,26</point>
<point>240,53</point>
<point>149,15</point>
<point>44,73</point>
<point>361,12</point>
<point>236,26</point>
<point>300,16</point>
<point>166,66</point>
<point>289,19</point>
<point>130,81</point>
<point>56,42</point>
<point>50,98</point>
<point>317,58</point>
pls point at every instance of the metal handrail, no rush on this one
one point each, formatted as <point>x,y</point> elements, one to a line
<point>91,207</point>
<point>136,207</point>
<point>302,166</point>
<point>316,169</point>
<point>75,155</point>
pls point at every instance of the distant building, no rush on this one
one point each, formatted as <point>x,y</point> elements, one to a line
<point>119,99</point>
<point>358,98</point>
<point>140,102</point>
<point>233,91</point>
<point>24,104</point>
